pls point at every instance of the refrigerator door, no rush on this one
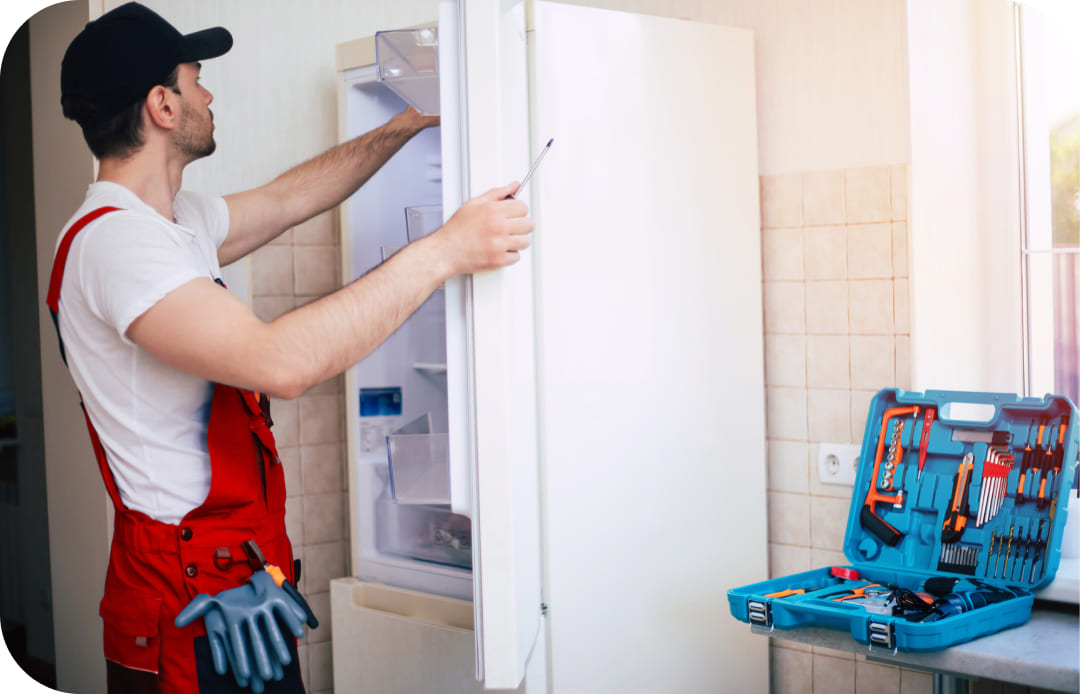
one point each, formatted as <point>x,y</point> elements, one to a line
<point>650,347</point>
<point>493,446</point>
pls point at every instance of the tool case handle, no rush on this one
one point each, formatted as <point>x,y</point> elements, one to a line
<point>965,408</point>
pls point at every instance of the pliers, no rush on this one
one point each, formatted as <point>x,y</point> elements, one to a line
<point>875,590</point>
<point>258,563</point>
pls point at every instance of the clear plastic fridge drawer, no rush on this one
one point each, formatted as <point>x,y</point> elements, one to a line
<point>408,62</point>
<point>419,468</point>
<point>429,533</point>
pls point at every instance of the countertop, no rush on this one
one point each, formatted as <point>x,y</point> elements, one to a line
<point>1044,652</point>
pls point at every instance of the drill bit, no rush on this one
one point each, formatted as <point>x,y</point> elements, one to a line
<point>1008,549</point>
<point>1027,549</point>
<point>1039,542</point>
<point>993,535</point>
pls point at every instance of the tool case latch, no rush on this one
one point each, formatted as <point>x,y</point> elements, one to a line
<point>759,613</point>
<point>881,637</point>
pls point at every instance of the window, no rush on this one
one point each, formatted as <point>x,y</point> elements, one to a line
<point>1048,62</point>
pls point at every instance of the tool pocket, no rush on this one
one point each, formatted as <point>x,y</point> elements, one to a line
<point>131,628</point>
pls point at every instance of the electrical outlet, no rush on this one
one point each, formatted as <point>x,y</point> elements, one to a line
<point>837,462</point>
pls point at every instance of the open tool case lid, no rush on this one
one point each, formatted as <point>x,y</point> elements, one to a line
<point>976,482</point>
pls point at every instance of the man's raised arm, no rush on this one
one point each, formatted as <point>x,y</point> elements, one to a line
<point>261,214</point>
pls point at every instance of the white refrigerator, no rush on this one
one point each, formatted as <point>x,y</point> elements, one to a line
<point>557,470</point>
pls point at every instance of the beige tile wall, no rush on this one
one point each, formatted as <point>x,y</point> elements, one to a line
<point>296,268</point>
<point>836,331</point>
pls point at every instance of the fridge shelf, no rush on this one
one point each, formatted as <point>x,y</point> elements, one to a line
<point>407,62</point>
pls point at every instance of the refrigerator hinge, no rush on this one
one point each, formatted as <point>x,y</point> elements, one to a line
<point>543,608</point>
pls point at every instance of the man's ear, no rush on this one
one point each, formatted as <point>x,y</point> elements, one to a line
<point>162,108</point>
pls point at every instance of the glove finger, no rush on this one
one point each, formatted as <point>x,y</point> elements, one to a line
<point>294,616</point>
<point>239,644</point>
<point>217,652</point>
<point>241,681</point>
<point>257,683</point>
<point>277,641</point>
<point>279,670</point>
<point>258,648</point>
<point>195,609</point>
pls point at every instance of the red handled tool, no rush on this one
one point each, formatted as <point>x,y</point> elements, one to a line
<point>928,419</point>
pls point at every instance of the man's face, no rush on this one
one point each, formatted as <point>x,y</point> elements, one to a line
<point>195,136</point>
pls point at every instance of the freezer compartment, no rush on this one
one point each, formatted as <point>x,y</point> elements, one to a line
<point>389,639</point>
<point>407,61</point>
<point>429,533</point>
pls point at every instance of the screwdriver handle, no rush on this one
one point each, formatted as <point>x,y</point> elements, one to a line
<point>928,419</point>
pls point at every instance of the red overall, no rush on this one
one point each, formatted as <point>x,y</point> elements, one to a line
<point>156,568</point>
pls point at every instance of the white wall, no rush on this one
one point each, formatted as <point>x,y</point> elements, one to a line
<point>964,225</point>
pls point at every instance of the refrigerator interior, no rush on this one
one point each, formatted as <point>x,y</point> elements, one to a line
<point>403,530</point>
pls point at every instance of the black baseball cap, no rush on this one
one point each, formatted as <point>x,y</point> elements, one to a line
<point>120,56</point>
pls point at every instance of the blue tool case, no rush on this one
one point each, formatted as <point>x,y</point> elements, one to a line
<point>956,521</point>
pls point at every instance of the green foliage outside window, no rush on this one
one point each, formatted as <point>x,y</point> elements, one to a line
<point>1065,183</point>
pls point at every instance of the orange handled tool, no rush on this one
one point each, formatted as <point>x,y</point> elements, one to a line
<point>1056,459</point>
<point>1025,463</point>
<point>956,517</point>
<point>258,563</point>
<point>793,591</point>
<point>868,516</point>
<point>860,592</point>
<point>1039,456</point>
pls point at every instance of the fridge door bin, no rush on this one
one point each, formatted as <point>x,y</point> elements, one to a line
<point>419,472</point>
<point>421,220</point>
<point>407,61</point>
<point>428,533</point>
<point>389,639</point>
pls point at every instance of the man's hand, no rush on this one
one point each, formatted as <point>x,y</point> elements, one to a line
<point>485,233</point>
<point>411,118</point>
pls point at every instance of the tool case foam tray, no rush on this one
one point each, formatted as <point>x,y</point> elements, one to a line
<point>956,521</point>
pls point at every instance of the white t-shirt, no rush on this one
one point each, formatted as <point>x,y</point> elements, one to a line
<point>151,418</point>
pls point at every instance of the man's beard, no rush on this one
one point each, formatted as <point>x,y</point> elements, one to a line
<point>195,138</point>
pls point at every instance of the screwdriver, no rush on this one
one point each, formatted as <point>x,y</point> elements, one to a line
<point>1056,460</point>
<point>1025,463</point>
<point>928,419</point>
<point>793,591</point>
<point>528,175</point>
<point>1036,459</point>
<point>258,563</point>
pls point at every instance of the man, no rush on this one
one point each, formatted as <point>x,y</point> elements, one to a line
<point>169,364</point>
